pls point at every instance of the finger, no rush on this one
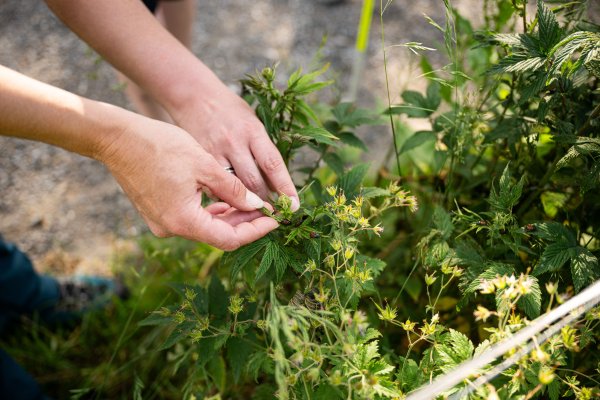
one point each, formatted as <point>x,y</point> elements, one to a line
<point>227,187</point>
<point>217,208</point>
<point>271,164</point>
<point>224,236</point>
<point>247,170</point>
<point>235,217</point>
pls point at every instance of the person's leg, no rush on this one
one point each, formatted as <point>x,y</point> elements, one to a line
<point>22,290</point>
<point>15,382</point>
<point>178,18</point>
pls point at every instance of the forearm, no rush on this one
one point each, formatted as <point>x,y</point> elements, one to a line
<point>131,39</point>
<point>33,110</point>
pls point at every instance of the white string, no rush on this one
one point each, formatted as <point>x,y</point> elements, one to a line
<point>584,301</point>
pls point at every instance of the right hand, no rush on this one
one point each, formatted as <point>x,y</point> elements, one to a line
<point>164,172</point>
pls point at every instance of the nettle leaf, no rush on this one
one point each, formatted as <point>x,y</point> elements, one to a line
<point>271,252</point>
<point>531,303</point>
<point>372,192</point>
<point>258,361</point>
<point>553,231</point>
<point>549,31</point>
<point>216,370</point>
<point>584,267</point>
<point>318,134</point>
<point>443,222</point>
<point>218,299</point>
<point>453,349</point>
<point>347,114</point>
<point>350,181</point>
<point>418,139</point>
<point>409,374</point>
<point>418,106</point>
<point>334,162</point>
<point>492,270</point>
<point>238,353</point>
<point>553,258</point>
<point>245,255</point>
<point>351,139</point>
<point>508,195</point>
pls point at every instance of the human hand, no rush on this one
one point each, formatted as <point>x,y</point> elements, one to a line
<point>226,126</point>
<point>164,172</point>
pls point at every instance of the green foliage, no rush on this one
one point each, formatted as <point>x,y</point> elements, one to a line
<point>365,293</point>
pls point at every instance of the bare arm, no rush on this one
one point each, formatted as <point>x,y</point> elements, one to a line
<point>160,167</point>
<point>130,38</point>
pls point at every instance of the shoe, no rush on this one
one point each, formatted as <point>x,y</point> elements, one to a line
<point>80,294</point>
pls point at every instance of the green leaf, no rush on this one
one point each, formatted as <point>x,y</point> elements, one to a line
<point>408,375</point>
<point>554,389</point>
<point>216,370</point>
<point>347,114</point>
<point>327,392</point>
<point>453,349</point>
<point>584,267</point>
<point>351,139</point>
<point>238,353</point>
<point>245,255</point>
<point>334,162</point>
<point>443,222</point>
<point>553,202</point>
<point>258,361</point>
<point>418,139</point>
<point>531,303</point>
<point>372,192</point>
<point>554,231</point>
<point>218,299</point>
<point>549,32</point>
<point>318,134</point>
<point>271,253</point>
<point>351,180</point>
<point>553,258</point>
<point>492,270</point>
<point>508,195</point>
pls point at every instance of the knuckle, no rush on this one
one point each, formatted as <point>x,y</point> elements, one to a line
<point>253,182</point>
<point>271,163</point>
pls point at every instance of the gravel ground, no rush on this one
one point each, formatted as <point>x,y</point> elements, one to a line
<point>65,210</point>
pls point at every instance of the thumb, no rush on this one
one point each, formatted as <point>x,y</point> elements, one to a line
<point>231,190</point>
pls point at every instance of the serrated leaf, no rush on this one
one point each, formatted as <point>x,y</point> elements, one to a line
<point>584,267</point>
<point>245,255</point>
<point>318,134</point>
<point>256,362</point>
<point>553,258</point>
<point>238,353</point>
<point>453,349</point>
<point>351,139</point>
<point>531,303</point>
<point>270,254</point>
<point>554,231</point>
<point>347,114</point>
<point>373,192</point>
<point>492,270</point>
<point>443,222</point>
<point>408,375</point>
<point>216,370</point>
<point>549,32</point>
<point>350,181</point>
<point>334,162</point>
<point>418,139</point>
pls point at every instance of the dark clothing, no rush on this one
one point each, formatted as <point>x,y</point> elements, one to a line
<point>22,291</point>
<point>151,4</point>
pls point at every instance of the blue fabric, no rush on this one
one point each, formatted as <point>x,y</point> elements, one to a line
<point>22,291</point>
<point>16,383</point>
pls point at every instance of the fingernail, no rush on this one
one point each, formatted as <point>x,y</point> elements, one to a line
<point>253,200</point>
<point>295,203</point>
